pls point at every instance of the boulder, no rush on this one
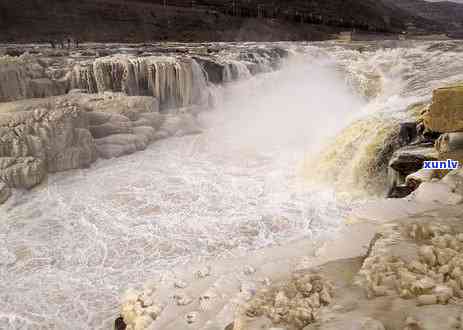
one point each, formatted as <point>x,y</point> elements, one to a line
<point>5,192</point>
<point>446,111</point>
<point>410,159</point>
<point>22,172</point>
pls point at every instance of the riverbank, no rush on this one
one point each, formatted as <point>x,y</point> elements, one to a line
<point>243,293</point>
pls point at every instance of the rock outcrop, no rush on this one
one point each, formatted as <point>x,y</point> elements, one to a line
<point>47,132</point>
<point>51,138</point>
<point>425,143</point>
<point>70,132</point>
<point>403,165</point>
<point>446,111</point>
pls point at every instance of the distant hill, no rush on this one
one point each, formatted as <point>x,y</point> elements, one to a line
<point>446,15</point>
<point>199,20</point>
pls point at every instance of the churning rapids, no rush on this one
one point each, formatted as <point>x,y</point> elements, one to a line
<point>71,246</point>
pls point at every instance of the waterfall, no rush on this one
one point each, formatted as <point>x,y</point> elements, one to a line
<point>82,77</point>
<point>391,81</point>
<point>227,75</point>
<point>238,70</point>
<point>176,82</point>
<point>356,161</point>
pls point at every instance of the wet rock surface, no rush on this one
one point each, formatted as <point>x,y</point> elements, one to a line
<point>410,159</point>
<point>404,166</point>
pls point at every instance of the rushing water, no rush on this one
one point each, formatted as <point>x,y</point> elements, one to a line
<point>69,247</point>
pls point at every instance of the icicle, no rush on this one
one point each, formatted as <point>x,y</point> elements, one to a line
<point>239,70</point>
<point>176,82</point>
<point>227,76</point>
<point>83,78</point>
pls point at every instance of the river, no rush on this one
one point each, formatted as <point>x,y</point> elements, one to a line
<point>71,246</point>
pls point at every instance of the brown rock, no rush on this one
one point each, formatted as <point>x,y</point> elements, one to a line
<point>446,111</point>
